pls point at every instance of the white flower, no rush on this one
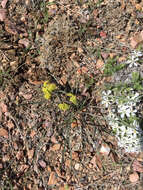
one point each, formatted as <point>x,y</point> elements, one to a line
<point>133,61</point>
<point>106,98</point>
<point>135,97</point>
<point>124,110</point>
<point>137,53</point>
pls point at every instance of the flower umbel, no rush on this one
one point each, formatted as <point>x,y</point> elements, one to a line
<point>72,98</point>
<point>63,106</point>
<point>48,88</point>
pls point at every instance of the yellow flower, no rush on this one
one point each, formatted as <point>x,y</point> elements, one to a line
<point>44,89</point>
<point>72,98</point>
<point>47,95</point>
<point>48,88</point>
<point>64,106</point>
<point>51,87</point>
<point>45,83</point>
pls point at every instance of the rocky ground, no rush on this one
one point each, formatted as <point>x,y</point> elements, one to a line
<point>67,43</point>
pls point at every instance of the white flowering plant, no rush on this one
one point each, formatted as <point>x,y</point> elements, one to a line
<point>122,101</point>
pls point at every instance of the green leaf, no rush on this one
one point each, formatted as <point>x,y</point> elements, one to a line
<point>138,86</point>
<point>135,76</point>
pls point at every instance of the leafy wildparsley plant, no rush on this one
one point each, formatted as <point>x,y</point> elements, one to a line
<point>111,66</point>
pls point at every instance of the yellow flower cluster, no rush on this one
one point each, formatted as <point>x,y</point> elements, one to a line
<point>63,106</point>
<point>72,98</point>
<point>47,89</point>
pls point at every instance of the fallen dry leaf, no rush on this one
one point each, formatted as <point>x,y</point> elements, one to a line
<point>111,139</point>
<point>104,55</point>
<point>36,82</point>
<point>55,147</point>
<point>96,161</point>
<point>80,50</point>
<point>2,95</point>
<point>10,27</point>
<point>3,3</point>
<point>99,64</point>
<point>54,140</point>
<point>123,5</point>
<point>112,55</point>
<point>2,14</point>
<point>32,134</point>
<point>5,158</point>
<point>42,163</point>
<point>63,80</point>
<point>74,124</point>
<point>82,70</point>
<point>30,154</point>
<point>27,96</point>
<point>24,42</point>
<point>75,156</point>
<point>19,155</point>
<point>23,168</point>
<point>138,7</point>
<point>52,9</point>
<point>140,157</point>
<point>15,146</point>
<point>114,157</point>
<point>10,125</point>
<point>3,133</point>
<point>3,107</point>
<point>52,179</point>
<point>103,34</point>
<point>137,166</point>
<point>1,166</point>
<point>134,177</point>
<point>95,13</point>
<point>136,39</point>
<point>68,163</point>
<point>121,59</point>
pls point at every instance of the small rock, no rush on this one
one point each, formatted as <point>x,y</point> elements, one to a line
<point>137,166</point>
<point>105,149</point>
<point>78,166</point>
<point>42,163</point>
<point>134,177</point>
